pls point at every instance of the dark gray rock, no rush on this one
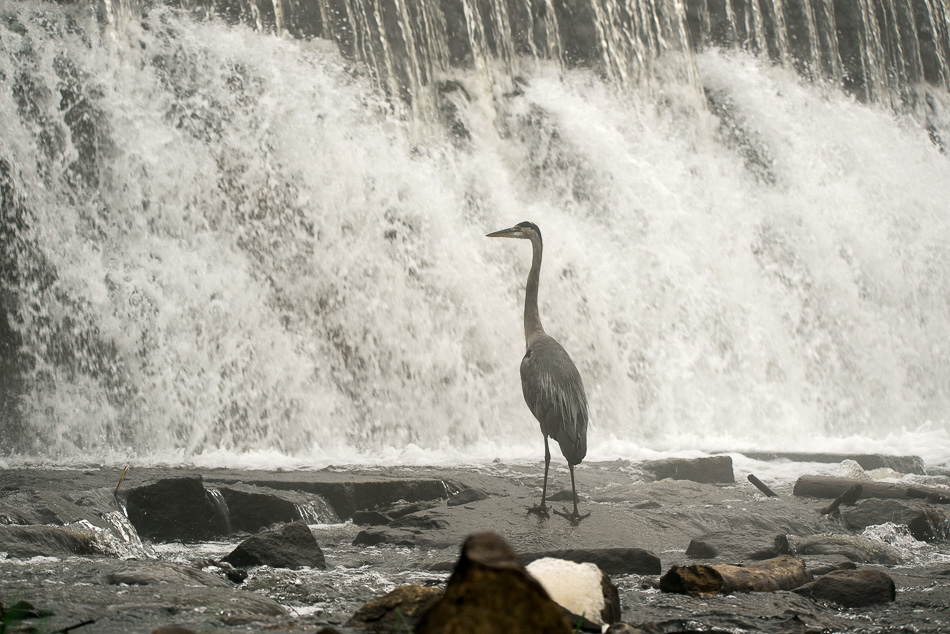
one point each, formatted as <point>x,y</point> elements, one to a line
<point>175,509</point>
<point>612,561</point>
<point>386,535</point>
<point>371,518</point>
<point>290,546</point>
<point>925,524</point>
<point>708,470</point>
<point>45,541</point>
<point>252,508</point>
<point>467,496</point>
<point>738,546</point>
<point>397,611</point>
<point>852,588</point>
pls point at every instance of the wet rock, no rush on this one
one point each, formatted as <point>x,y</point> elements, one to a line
<point>44,541</point>
<point>925,524</point>
<point>371,518</point>
<point>397,511</point>
<point>175,509</point>
<point>613,561</point>
<point>491,591</point>
<point>708,470</point>
<point>581,588</point>
<point>467,496</point>
<point>252,508</point>
<point>386,535</point>
<point>152,573</point>
<point>855,547</point>
<point>419,521</point>
<point>290,546</point>
<point>852,588</point>
<point>738,546</point>
<point>397,611</point>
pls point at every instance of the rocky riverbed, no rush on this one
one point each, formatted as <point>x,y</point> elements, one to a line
<point>79,554</point>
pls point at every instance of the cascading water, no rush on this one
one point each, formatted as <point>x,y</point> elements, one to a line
<point>222,243</point>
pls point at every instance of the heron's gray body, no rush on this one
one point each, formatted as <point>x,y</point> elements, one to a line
<point>550,381</point>
<point>554,393</point>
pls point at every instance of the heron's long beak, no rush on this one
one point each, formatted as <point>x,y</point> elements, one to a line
<point>513,232</point>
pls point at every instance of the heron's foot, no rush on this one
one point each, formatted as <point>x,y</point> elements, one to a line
<point>572,516</point>
<point>540,510</point>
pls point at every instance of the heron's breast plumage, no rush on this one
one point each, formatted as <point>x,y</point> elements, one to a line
<point>554,393</point>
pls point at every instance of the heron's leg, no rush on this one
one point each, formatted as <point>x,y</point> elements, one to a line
<point>547,464</point>
<point>542,509</point>
<point>575,517</point>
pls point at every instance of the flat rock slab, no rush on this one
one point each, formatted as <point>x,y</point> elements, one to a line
<point>36,541</point>
<point>152,573</point>
<point>868,462</point>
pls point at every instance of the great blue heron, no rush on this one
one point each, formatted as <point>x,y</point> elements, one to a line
<point>550,381</point>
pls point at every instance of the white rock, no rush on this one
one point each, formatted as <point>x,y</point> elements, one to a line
<point>574,586</point>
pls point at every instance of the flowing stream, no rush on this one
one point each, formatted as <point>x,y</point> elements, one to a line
<point>238,234</point>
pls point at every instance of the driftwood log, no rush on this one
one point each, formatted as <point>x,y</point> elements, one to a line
<point>849,497</point>
<point>761,486</point>
<point>830,487</point>
<point>780,573</point>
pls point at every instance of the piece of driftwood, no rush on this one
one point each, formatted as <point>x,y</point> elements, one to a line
<point>780,573</point>
<point>849,497</point>
<point>831,487</point>
<point>761,486</point>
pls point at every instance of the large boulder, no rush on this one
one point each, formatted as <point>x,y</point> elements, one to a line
<point>852,588</point>
<point>581,588</point>
<point>490,591</point>
<point>176,509</point>
<point>290,546</point>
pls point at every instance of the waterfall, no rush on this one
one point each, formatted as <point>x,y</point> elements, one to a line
<point>252,233</point>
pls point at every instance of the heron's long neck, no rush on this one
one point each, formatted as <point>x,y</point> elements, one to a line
<point>532,320</point>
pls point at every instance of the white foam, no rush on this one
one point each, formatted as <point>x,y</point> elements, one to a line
<point>575,586</point>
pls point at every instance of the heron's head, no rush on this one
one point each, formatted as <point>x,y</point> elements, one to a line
<point>524,230</point>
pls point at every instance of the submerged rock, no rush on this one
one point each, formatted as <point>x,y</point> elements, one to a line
<point>581,588</point>
<point>925,524</point>
<point>855,547</point>
<point>44,541</point>
<point>738,546</point>
<point>290,546</point>
<point>152,573</point>
<point>490,591</point>
<point>852,588</point>
<point>397,611</point>
<point>613,561</point>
